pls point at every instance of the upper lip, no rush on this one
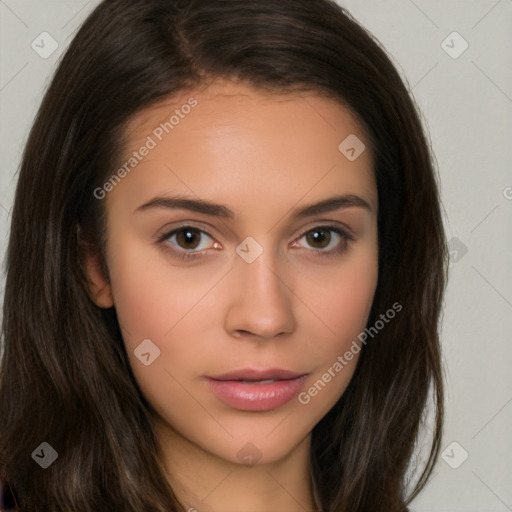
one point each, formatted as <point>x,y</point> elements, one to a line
<point>256,375</point>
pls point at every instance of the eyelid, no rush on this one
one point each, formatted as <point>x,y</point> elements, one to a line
<point>167,231</point>
<point>329,224</point>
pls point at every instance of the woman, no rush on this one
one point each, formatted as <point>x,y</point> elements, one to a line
<point>287,363</point>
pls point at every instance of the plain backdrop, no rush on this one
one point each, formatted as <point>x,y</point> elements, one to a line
<point>455,57</point>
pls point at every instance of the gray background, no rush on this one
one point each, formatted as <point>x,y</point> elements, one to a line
<point>466,101</point>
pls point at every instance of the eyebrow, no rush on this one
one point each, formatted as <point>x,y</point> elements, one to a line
<point>218,210</point>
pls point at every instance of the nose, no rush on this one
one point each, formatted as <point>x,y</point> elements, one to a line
<point>260,302</point>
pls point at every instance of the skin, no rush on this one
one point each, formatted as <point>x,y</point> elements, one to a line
<point>262,155</point>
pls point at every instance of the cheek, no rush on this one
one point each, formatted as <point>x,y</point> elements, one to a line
<point>351,300</point>
<point>342,296</point>
<point>151,295</point>
<point>170,306</point>
<point>341,300</point>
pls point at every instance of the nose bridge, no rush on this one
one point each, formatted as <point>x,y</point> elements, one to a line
<point>262,303</point>
<point>262,277</point>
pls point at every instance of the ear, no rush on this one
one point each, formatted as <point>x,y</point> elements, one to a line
<point>97,282</point>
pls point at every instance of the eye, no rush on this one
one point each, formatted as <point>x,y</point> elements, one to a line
<point>187,242</point>
<point>327,239</point>
<point>188,238</point>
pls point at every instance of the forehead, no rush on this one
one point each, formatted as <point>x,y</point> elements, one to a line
<point>224,101</point>
<point>250,142</point>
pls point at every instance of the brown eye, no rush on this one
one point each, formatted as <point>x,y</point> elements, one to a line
<point>188,238</point>
<point>327,240</point>
<point>188,242</point>
<point>319,238</point>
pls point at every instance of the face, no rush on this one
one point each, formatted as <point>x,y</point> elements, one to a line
<point>242,254</point>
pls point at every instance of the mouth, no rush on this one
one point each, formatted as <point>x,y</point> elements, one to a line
<point>256,390</point>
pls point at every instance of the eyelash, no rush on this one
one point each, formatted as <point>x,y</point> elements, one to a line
<point>190,255</point>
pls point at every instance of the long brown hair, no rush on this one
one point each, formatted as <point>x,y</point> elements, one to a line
<point>64,375</point>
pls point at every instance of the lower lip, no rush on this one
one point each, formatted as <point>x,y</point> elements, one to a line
<point>256,397</point>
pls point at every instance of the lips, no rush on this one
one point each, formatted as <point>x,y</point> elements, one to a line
<point>256,390</point>
<point>258,375</point>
